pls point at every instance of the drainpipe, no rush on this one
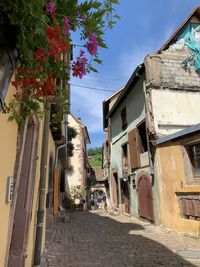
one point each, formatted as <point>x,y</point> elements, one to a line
<point>42,187</point>
<point>57,149</point>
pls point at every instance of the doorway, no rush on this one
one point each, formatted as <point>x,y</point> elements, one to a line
<point>145,199</point>
<point>24,200</point>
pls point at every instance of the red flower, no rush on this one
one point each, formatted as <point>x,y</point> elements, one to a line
<point>40,55</point>
<point>56,42</point>
<point>48,87</point>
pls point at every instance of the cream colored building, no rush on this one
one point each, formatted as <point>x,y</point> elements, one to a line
<point>77,173</point>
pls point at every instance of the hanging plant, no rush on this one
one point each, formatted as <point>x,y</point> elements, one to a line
<point>43,41</point>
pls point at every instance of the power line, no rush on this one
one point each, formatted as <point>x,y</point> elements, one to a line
<point>92,88</point>
<point>103,77</point>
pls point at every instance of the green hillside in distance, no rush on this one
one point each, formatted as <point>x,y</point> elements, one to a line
<point>95,156</point>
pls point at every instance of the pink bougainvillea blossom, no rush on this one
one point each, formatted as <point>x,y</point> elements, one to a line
<point>92,44</point>
<point>66,25</point>
<point>79,67</point>
<point>50,8</point>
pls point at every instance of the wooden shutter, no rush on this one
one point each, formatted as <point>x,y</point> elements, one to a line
<point>133,139</point>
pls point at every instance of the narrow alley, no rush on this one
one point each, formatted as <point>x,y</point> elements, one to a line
<point>98,239</point>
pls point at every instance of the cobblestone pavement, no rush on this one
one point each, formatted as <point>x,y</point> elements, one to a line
<point>96,239</point>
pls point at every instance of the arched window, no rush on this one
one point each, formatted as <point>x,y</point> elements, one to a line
<point>7,63</point>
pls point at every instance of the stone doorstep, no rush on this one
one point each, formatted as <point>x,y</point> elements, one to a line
<point>193,254</point>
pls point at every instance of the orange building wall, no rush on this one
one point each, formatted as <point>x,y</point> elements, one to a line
<point>170,173</point>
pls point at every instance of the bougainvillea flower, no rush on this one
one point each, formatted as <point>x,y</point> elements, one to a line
<point>39,55</point>
<point>79,67</point>
<point>50,8</point>
<point>48,87</point>
<point>92,44</point>
<point>66,25</point>
<point>56,42</point>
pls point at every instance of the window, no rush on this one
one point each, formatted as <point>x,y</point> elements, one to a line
<point>137,139</point>
<point>191,156</point>
<point>124,118</point>
<point>7,61</point>
<point>194,155</point>
<point>142,137</point>
<point>125,159</point>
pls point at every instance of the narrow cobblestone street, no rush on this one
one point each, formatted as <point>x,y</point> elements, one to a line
<point>95,239</point>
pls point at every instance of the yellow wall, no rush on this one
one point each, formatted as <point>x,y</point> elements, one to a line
<point>170,173</point>
<point>8,141</point>
<point>8,144</point>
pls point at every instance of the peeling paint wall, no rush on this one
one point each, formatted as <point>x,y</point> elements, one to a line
<point>174,110</point>
<point>173,92</point>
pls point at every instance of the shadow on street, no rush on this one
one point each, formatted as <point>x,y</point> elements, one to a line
<point>89,239</point>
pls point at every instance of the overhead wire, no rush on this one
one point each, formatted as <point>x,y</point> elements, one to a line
<point>92,88</point>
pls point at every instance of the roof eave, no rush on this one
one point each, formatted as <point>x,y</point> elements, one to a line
<point>179,134</point>
<point>134,77</point>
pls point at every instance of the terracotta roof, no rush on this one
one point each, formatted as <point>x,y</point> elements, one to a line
<point>98,173</point>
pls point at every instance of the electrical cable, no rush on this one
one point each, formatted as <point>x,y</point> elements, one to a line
<point>92,88</point>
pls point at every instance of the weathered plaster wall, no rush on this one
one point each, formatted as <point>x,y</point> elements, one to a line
<point>174,91</point>
<point>171,178</point>
<point>77,175</point>
<point>8,142</point>
<point>135,110</point>
<point>174,110</point>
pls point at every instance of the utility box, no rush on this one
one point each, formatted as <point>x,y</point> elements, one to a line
<point>10,188</point>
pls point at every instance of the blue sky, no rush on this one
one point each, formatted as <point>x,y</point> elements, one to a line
<point>144,27</point>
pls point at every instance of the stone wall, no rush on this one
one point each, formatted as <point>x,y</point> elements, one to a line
<point>167,69</point>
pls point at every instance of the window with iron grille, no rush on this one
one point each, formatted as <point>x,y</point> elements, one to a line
<point>124,118</point>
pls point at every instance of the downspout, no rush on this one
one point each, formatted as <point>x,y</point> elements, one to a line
<point>65,86</point>
<point>42,187</point>
<point>56,178</point>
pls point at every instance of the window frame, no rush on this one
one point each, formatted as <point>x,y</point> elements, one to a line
<point>124,118</point>
<point>125,170</point>
<point>188,166</point>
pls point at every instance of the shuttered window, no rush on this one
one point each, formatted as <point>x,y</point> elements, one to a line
<point>189,206</point>
<point>134,147</point>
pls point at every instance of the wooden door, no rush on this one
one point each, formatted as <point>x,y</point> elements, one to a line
<point>23,210</point>
<point>145,199</point>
